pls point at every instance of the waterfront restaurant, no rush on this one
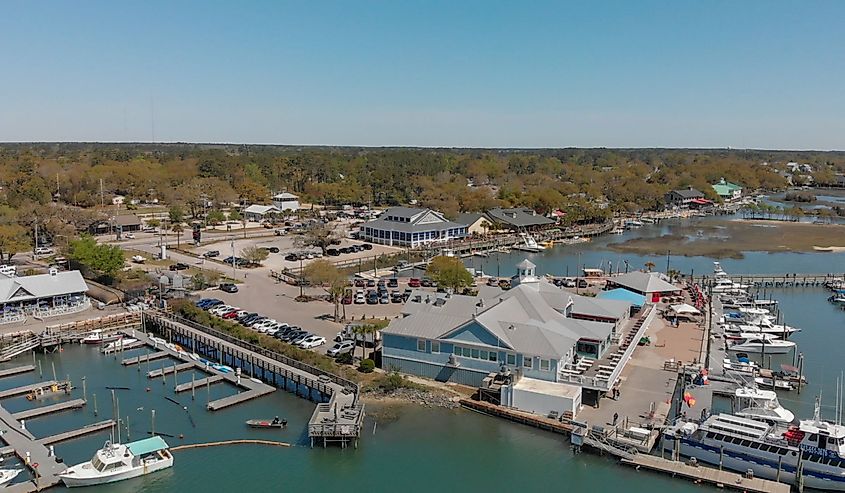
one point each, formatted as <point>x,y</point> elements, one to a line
<point>727,191</point>
<point>42,295</point>
<point>652,285</point>
<point>411,227</point>
<point>463,339</point>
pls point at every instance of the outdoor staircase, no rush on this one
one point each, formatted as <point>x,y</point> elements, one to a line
<point>15,344</point>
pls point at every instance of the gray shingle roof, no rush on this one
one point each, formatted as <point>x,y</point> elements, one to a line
<point>688,193</point>
<point>382,223</point>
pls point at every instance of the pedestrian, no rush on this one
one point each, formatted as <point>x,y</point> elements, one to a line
<point>615,418</point>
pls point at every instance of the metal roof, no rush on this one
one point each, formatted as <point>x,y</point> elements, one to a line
<point>644,282</point>
<point>147,446</point>
<point>688,193</point>
<point>262,209</point>
<point>28,288</point>
<point>622,294</point>
<point>414,216</point>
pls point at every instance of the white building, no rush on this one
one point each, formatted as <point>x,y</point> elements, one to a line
<point>260,213</point>
<point>286,201</point>
<point>43,295</point>
<point>410,226</point>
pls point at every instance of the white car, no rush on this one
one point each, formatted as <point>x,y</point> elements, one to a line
<point>360,298</point>
<point>220,310</point>
<point>265,325</point>
<point>312,342</point>
<point>43,251</point>
<point>129,236</point>
<point>341,347</point>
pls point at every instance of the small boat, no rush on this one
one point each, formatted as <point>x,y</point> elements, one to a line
<point>97,336</point>
<point>7,475</point>
<point>762,343</point>
<point>222,368</point>
<point>120,342</point>
<point>768,383</point>
<point>529,244</point>
<point>761,405</point>
<point>116,462</point>
<point>265,423</point>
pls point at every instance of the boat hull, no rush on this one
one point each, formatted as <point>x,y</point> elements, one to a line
<point>760,348</point>
<point>73,481</point>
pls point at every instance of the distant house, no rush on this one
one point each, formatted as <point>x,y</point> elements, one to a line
<point>518,218</point>
<point>410,226</point>
<point>477,223</point>
<point>260,213</point>
<point>649,284</point>
<point>682,197</point>
<point>126,223</point>
<point>727,191</point>
<point>118,200</point>
<point>286,201</point>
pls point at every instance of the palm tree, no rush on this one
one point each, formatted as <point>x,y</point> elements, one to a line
<point>649,265</point>
<point>177,228</point>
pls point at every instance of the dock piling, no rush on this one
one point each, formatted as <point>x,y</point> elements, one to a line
<point>84,389</point>
<point>95,403</point>
<point>40,371</point>
<point>193,387</point>
<point>53,364</point>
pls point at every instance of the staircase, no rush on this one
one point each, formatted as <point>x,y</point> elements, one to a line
<point>15,344</point>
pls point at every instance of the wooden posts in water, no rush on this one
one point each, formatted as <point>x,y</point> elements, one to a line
<point>53,364</point>
<point>95,404</point>
<point>84,389</point>
<point>153,423</point>
<point>40,371</point>
<point>193,386</point>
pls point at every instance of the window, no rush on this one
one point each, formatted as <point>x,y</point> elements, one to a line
<point>528,362</point>
<point>484,355</point>
<point>435,346</point>
<point>456,350</point>
<point>493,356</point>
<point>475,353</point>
<point>511,359</point>
<point>421,345</point>
<point>544,365</point>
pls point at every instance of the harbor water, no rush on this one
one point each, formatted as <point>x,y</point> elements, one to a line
<point>410,448</point>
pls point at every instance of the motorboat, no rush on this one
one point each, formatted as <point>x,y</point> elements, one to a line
<point>771,383</point>
<point>767,451</point>
<point>267,423</point>
<point>725,285</point>
<point>734,302</point>
<point>529,244</point>
<point>741,366</point>
<point>761,343</point>
<point>633,223</point>
<point>7,475</point>
<point>760,405</point>
<point>119,343</point>
<point>116,462</point>
<point>97,336</point>
<point>734,330</point>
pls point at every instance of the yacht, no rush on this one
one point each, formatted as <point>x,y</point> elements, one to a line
<point>761,405</point>
<point>97,336</point>
<point>633,223</point>
<point>734,302</point>
<point>529,244</point>
<point>116,462</point>
<point>119,343</point>
<point>735,330</point>
<point>725,285</point>
<point>761,343</point>
<point>812,448</point>
<point>7,475</point>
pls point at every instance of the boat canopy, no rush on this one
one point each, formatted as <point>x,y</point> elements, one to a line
<point>147,446</point>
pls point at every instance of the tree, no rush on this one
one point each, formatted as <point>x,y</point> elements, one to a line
<point>178,229</point>
<point>449,272</point>
<point>235,215</point>
<point>153,223</point>
<point>104,260</point>
<point>319,235</point>
<point>254,254</point>
<point>649,265</point>
<point>324,274</point>
<point>362,331</point>
<point>215,217</point>
<point>13,239</point>
<point>176,214</point>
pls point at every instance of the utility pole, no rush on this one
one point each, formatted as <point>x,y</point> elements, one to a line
<point>102,196</point>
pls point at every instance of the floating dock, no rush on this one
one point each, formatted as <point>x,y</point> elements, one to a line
<point>712,476</point>
<point>8,372</point>
<point>125,347</point>
<point>238,398</point>
<point>145,357</point>
<point>27,389</point>
<point>182,387</point>
<point>53,408</point>
<point>31,452</point>
<point>167,370</point>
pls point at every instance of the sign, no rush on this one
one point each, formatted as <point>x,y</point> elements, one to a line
<point>830,454</point>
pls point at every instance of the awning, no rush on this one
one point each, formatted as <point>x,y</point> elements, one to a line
<point>701,201</point>
<point>685,309</point>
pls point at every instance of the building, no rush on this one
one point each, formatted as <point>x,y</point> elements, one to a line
<point>411,227</point>
<point>636,301</point>
<point>727,191</point>
<point>126,223</point>
<point>42,295</point>
<point>260,213</point>
<point>648,284</point>
<point>476,223</point>
<point>520,218</point>
<point>286,201</point>
<point>524,330</point>
<point>682,197</point>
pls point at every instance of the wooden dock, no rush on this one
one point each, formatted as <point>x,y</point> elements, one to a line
<point>145,357</point>
<point>53,408</point>
<point>182,387</point>
<point>521,417</point>
<point>71,434</point>
<point>26,389</point>
<point>125,347</point>
<point>8,372</point>
<point>712,476</point>
<point>167,370</point>
<point>238,398</point>
<point>31,452</point>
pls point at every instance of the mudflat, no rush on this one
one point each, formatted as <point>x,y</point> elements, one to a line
<point>729,238</point>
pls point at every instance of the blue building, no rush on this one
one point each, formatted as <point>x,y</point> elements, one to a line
<point>525,330</point>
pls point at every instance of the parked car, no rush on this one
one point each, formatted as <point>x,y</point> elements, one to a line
<point>211,253</point>
<point>414,282</point>
<point>129,236</point>
<point>43,251</point>
<point>312,342</point>
<point>230,314</point>
<point>360,299</point>
<point>228,287</point>
<point>396,297</point>
<point>393,282</point>
<point>384,298</point>
<point>360,283</point>
<point>347,299</point>
<point>291,257</point>
<point>366,246</point>
<point>334,252</point>
<point>426,282</point>
<point>371,283</point>
<point>372,298</point>
<point>341,347</point>
<point>271,249</point>
<point>301,337</point>
<point>179,266</point>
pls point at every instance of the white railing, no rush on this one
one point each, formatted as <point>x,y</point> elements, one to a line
<point>56,311</point>
<point>10,319</point>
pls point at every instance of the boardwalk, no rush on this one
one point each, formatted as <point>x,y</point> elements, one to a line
<point>145,357</point>
<point>724,479</point>
<point>29,450</point>
<point>169,369</point>
<point>196,384</point>
<point>53,408</point>
<point>8,372</point>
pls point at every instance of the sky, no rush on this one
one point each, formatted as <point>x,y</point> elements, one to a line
<point>763,74</point>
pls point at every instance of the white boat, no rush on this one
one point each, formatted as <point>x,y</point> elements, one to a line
<point>761,343</point>
<point>617,231</point>
<point>529,244</point>
<point>741,366</point>
<point>734,302</point>
<point>768,383</point>
<point>782,331</point>
<point>97,336</point>
<point>116,345</point>
<point>7,475</point>
<point>116,462</point>
<point>633,223</point>
<point>139,259</point>
<point>768,451</point>
<point>761,405</point>
<point>725,285</point>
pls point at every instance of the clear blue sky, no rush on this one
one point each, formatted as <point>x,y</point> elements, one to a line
<point>486,73</point>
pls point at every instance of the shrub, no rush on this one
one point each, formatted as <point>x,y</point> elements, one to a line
<point>344,359</point>
<point>367,366</point>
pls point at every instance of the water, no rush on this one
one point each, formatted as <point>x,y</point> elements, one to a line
<point>423,449</point>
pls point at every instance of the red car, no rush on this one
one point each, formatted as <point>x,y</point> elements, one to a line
<point>230,315</point>
<point>346,300</point>
<point>414,282</point>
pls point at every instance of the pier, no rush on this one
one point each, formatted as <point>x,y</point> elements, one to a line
<point>338,416</point>
<point>27,389</point>
<point>182,387</point>
<point>8,372</point>
<point>53,408</point>
<point>123,347</point>
<point>146,357</point>
<point>167,370</point>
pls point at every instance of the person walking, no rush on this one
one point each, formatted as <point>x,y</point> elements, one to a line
<point>615,418</point>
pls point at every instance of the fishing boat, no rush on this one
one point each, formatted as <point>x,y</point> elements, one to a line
<point>7,475</point>
<point>633,223</point>
<point>774,384</point>
<point>97,336</point>
<point>116,462</point>
<point>775,452</point>
<point>761,405</point>
<point>740,366</point>
<point>761,343</point>
<point>116,345</point>
<point>734,302</point>
<point>267,423</point>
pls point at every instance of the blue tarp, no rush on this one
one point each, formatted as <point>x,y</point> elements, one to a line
<point>622,294</point>
<point>146,446</point>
